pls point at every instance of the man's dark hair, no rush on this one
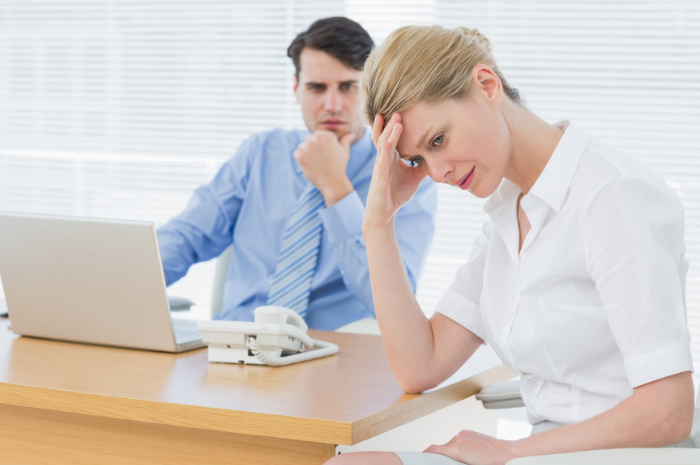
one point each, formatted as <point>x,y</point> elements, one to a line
<point>339,37</point>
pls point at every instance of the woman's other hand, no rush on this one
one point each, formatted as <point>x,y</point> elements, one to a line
<point>475,449</point>
<point>393,182</point>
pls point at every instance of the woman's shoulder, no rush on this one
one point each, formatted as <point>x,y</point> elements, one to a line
<point>606,174</point>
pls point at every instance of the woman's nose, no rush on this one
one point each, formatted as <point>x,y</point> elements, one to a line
<point>438,172</point>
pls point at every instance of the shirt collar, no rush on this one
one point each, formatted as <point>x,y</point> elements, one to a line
<point>360,152</point>
<point>554,181</point>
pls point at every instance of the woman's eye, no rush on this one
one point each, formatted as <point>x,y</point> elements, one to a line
<point>416,161</point>
<point>438,140</point>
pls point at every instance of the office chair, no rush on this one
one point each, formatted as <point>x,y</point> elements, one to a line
<point>223,263</point>
<point>506,394</point>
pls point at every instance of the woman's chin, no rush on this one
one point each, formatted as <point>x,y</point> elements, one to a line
<point>477,191</point>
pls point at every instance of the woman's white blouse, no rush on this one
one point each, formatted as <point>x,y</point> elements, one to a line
<point>594,303</point>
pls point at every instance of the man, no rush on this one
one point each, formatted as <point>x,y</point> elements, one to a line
<point>292,202</point>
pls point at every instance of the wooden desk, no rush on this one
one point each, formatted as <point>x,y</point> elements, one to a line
<point>65,403</point>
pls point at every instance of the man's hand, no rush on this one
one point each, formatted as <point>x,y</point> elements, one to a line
<point>324,160</point>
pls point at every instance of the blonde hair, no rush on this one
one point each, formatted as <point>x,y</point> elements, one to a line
<point>424,63</point>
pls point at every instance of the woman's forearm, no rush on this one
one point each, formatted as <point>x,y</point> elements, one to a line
<point>656,414</point>
<point>406,332</point>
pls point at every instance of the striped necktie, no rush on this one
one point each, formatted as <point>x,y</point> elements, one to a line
<point>296,264</point>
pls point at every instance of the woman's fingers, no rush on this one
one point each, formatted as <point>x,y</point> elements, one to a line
<point>386,157</point>
<point>436,449</point>
<point>395,134</point>
<point>377,128</point>
<point>383,131</point>
<point>447,450</point>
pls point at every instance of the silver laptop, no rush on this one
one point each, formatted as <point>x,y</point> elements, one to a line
<point>89,280</point>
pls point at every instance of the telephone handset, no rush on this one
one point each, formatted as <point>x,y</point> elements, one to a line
<point>276,338</point>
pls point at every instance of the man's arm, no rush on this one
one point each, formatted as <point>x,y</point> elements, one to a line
<point>205,228</point>
<point>415,225</point>
<point>323,159</point>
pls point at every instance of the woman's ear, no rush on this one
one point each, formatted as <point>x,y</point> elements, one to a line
<point>488,84</point>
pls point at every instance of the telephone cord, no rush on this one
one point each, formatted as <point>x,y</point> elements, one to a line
<point>324,350</point>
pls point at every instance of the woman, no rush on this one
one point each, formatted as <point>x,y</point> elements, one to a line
<point>577,280</point>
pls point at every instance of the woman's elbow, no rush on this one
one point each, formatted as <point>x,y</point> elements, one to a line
<point>410,387</point>
<point>414,385</point>
<point>676,421</point>
<point>676,427</point>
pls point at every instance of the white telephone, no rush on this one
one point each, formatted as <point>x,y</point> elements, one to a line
<point>276,338</point>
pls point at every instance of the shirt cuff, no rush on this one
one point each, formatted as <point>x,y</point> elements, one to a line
<point>660,363</point>
<point>343,219</point>
<point>458,308</point>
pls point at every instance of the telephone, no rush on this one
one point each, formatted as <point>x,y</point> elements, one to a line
<point>276,338</point>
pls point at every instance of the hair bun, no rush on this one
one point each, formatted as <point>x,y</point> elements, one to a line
<point>478,37</point>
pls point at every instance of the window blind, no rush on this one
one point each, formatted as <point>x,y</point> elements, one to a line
<point>121,108</point>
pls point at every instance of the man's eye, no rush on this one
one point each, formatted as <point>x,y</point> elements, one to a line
<point>438,140</point>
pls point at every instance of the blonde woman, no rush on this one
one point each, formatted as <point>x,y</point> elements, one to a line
<point>577,280</point>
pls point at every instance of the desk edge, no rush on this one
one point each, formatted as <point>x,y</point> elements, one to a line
<point>250,423</point>
<point>425,404</point>
<point>188,416</point>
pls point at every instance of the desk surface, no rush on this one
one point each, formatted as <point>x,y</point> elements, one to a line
<point>342,399</point>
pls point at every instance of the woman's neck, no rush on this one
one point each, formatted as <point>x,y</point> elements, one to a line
<point>533,142</point>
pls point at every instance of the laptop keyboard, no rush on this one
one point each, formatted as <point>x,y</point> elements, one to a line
<point>186,331</point>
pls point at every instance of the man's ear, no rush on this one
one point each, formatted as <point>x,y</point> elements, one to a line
<point>488,84</point>
<point>296,87</point>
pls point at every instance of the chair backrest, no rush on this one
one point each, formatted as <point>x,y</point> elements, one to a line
<point>223,263</point>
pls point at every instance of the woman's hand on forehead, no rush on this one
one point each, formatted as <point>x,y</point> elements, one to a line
<point>380,131</point>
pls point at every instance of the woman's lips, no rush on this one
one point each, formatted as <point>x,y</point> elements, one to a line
<point>467,180</point>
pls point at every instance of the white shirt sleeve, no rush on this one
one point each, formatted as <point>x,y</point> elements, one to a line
<point>634,251</point>
<point>460,302</point>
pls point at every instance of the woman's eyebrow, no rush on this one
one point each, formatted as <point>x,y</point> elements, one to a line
<point>422,138</point>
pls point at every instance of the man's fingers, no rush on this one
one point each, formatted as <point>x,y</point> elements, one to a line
<point>347,140</point>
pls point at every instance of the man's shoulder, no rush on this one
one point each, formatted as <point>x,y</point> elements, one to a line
<point>276,136</point>
<point>274,146</point>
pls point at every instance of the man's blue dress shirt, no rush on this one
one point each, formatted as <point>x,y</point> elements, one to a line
<point>248,203</point>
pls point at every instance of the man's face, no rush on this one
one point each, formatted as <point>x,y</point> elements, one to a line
<point>328,92</point>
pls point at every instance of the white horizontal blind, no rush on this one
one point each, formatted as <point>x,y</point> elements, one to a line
<point>626,71</point>
<point>121,108</point>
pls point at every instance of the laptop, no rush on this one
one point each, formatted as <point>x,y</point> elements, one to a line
<point>87,280</point>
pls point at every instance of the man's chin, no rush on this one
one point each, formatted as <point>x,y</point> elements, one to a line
<point>337,129</point>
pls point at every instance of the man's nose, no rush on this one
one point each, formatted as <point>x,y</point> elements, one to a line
<point>334,102</point>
